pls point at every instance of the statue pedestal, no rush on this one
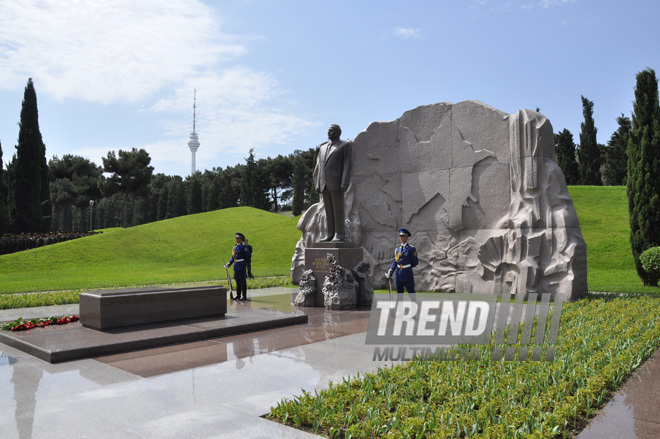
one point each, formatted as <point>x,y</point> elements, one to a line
<point>348,255</point>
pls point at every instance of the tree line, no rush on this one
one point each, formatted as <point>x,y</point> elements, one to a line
<point>72,193</point>
<point>589,162</point>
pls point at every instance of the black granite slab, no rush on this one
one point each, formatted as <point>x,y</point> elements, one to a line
<point>59,343</point>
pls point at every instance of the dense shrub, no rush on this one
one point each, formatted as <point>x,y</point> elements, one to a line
<point>650,260</point>
<point>26,241</point>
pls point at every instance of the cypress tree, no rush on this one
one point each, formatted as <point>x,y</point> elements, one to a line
<point>298,182</point>
<point>254,184</point>
<point>643,186</point>
<point>29,202</point>
<point>589,152</point>
<point>565,152</point>
<point>616,158</point>
<point>194,193</point>
<point>4,214</point>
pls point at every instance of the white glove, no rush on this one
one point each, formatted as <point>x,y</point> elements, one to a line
<point>227,265</point>
<point>388,274</point>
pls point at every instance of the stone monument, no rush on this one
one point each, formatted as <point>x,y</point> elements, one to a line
<point>332,250</point>
<point>482,191</point>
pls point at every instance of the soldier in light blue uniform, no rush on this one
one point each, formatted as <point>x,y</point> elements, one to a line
<point>405,258</point>
<point>240,257</point>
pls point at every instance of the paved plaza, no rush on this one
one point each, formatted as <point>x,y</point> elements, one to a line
<point>223,387</point>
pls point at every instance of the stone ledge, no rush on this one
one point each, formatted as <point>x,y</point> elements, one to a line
<point>56,344</point>
<point>106,309</point>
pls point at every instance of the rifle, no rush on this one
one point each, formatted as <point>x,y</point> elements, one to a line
<point>389,284</point>
<point>231,291</point>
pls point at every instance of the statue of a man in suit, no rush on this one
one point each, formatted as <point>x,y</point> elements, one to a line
<point>332,175</point>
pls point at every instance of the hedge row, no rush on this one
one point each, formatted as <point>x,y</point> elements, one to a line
<point>17,243</point>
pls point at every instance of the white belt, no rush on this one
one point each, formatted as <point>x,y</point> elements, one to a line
<point>404,266</point>
<point>239,260</point>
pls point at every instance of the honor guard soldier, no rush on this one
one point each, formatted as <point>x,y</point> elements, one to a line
<point>405,258</point>
<point>240,257</point>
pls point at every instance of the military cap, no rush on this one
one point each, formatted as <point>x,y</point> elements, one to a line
<point>240,235</point>
<point>404,232</point>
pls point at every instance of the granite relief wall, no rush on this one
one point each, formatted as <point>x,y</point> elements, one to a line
<point>480,191</point>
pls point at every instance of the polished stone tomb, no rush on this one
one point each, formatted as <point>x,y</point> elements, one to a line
<point>133,306</point>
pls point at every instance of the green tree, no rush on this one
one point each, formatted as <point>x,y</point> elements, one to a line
<point>229,181</point>
<point>615,169</point>
<point>565,153</point>
<point>211,190</point>
<point>280,174</point>
<point>74,182</point>
<point>643,186</point>
<point>130,174</point>
<point>4,213</point>
<point>589,157</point>
<point>176,198</point>
<point>158,201</point>
<point>194,193</point>
<point>29,203</point>
<point>304,192</point>
<point>254,184</point>
<point>298,203</point>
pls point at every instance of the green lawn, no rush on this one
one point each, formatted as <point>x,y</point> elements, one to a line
<point>603,215</point>
<point>184,249</point>
<point>192,248</point>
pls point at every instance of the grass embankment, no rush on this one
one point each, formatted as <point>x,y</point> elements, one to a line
<point>603,215</point>
<point>601,341</point>
<point>191,248</point>
<point>179,250</point>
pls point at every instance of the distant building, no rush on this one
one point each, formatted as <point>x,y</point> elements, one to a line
<point>193,143</point>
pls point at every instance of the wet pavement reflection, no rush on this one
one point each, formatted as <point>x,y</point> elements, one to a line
<point>634,411</point>
<point>323,325</point>
<point>222,387</point>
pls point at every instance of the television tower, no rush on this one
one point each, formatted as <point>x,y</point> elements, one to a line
<point>193,143</point>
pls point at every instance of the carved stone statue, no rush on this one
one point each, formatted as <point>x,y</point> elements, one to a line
<point>480,187</point>
<point>332,176</point>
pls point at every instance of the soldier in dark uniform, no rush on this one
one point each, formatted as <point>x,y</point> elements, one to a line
<point>405,258</point>
<point>240,257</point>
<point>249,262</point>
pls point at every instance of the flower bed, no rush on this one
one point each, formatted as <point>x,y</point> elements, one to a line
<point>24,325</point>
<point>601,341</point>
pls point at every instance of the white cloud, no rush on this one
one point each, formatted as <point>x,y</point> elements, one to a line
<point>407,32</point>
<point>236,110</point>
<point>119,51</point>
<point>549,3</point>
<point>152,54</point>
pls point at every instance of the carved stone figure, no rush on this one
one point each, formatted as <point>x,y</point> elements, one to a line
<point>339,287</point>
<point>305,296</point>
<point>332,176</point>
<point>480,187</point>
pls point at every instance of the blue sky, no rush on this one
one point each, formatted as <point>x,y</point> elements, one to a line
<point>273,75</point>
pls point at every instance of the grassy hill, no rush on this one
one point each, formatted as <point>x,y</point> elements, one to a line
<point>192,248</point>
<point>184,249</point>
<point>603,215</point>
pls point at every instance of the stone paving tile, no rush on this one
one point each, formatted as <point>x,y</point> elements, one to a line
<point>221,387</point>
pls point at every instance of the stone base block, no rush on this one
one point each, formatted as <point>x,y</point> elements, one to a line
<point>316,260</point>
<point>133,306</point>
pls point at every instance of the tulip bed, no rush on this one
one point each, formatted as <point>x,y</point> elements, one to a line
<point>602,339</point>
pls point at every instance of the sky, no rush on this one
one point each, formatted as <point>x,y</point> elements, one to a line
<point>272,75</point>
